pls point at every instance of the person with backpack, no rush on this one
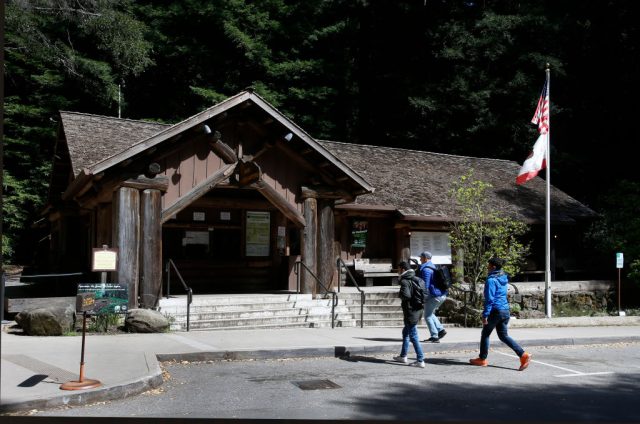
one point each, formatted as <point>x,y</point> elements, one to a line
<point>496,315</point>
<point>434,297</point>
<point>412,297</point>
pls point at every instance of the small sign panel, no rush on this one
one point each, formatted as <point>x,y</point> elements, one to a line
<point>199,216</point>
<point>619,260</point>
<point>110,298</point>
<point>85,302</point>
<point>104,259</point>
<point>225,216</point>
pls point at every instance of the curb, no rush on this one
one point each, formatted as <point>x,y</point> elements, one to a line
<point>79,398</point>
<point>342,351</point>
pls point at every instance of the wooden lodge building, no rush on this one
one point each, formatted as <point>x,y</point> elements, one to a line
<point>238,193</point>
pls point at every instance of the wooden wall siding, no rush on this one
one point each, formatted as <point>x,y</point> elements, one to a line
<point>283,175</point>
<point>187,168</point>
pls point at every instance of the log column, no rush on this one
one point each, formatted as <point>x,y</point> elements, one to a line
<point>138,236</point>
<point>126,237</point>
<point>309,245</point>
<point>326,235</point>
<point>151,248</point>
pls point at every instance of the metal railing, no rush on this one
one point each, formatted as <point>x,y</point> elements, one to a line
<point>340,265</point>
<point>334,295</point>
<point>170,264</point>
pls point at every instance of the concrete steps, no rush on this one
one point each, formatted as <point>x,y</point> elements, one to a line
<point>283,310</point>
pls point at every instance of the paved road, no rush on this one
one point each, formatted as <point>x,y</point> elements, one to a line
<point>568,383</point>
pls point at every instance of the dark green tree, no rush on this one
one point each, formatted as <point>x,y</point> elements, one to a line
<point>59,55</point>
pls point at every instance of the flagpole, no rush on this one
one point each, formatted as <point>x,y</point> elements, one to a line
<point>547,271</point>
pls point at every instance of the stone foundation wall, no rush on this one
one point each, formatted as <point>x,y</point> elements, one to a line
<point>585,298</point>
<point>569,298</point>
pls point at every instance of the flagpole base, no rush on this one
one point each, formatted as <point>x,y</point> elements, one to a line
<point>547,302</point>
<point>80,385</point>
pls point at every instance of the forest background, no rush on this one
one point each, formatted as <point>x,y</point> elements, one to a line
<point>450,76</point>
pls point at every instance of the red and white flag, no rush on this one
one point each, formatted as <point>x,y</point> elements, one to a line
<point>536,160</point>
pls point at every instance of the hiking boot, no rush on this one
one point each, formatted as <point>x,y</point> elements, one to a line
<point>524,361</point>
<point>479,362</point>
<point>419,364</point>
<point>442,333</point>
<point>433,340</point>
<point>402,359</point>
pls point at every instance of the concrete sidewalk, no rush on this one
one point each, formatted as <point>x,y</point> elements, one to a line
<point>126,364</point>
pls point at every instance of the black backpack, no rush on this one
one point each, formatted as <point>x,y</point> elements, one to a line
<point>441,277</point>
<point>417,293</point>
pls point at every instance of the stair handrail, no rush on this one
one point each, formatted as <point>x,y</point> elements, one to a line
<point>334,295</point>
<point>187,288</point>
<point>340,264</point>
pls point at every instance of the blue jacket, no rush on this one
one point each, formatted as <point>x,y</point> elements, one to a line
<point>495,292</point>
<point>426,273</point>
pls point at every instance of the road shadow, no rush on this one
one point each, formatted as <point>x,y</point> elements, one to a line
<point>445,361</point>
<point>359,358</point>
<point>380,339</point>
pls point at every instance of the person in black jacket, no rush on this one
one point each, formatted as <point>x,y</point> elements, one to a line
<point>412,315</point>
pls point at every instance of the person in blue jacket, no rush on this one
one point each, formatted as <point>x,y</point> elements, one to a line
<point>496,315</point>
<point>433,299</point>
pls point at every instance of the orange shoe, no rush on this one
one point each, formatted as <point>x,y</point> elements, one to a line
<point>524,361</point>
<point>479,362</point>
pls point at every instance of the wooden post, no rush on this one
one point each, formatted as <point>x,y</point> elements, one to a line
<point>309,245</point>
<point>126,237</point>
<point>150,248</point>
<point>326,231</point>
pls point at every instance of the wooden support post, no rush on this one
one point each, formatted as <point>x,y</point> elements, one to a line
<point>126,237</point>
<point>150,248</point>
<point>326,254</point>
<point>309,245</point>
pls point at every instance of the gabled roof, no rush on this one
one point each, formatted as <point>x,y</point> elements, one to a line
<point>418,183</point>
<point>118,141</point>
<point>92,138</point>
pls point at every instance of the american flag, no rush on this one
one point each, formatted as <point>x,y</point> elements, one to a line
<point>541,116</point>
<point>537,158</point>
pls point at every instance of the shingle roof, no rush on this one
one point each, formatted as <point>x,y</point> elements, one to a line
<point>418,183</point>
<point>93,138</point>
<point>415,183</point>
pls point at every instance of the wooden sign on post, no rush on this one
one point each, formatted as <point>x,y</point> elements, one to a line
<point>104,259</point>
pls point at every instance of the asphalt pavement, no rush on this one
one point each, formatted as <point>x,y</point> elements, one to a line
<point>33,369</point>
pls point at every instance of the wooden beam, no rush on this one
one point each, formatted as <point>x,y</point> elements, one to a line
<point>143,183</point>
<point>281,203</point>
<point>223,151</point>
<point>198,191</point>
<point>324,192</point>
<point>83,179</point>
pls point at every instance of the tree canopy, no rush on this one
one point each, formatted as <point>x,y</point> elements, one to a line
<point>460,77</point>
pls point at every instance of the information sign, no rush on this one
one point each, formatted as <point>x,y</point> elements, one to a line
<point>104,259</point>
<point>109,298</point>
<point>436,242</point>
<point>258,230</point>
<point>619,260</point>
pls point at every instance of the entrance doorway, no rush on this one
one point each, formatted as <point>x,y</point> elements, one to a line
<point>220,249</point>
